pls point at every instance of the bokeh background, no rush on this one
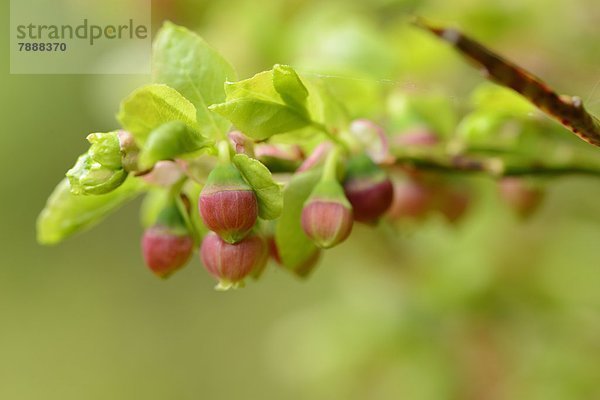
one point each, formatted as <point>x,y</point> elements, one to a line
<point>493,308</point>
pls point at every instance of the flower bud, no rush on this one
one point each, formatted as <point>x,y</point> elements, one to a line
<point>242,144</point>
<point>368,189</point>
<point>165,250</point>
<point>416,137</point>
<point>167,245</point>
<point>327,215</point>
<point>373,138</point>
<point>454,203</point>
<point>413,199</point>
<point>522,197</point>
<point>129,151</point>
<point>231,263</point>
<point>228,204</point>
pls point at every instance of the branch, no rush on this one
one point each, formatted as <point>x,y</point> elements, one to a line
<point>492,166</point>
<point>568,110</point>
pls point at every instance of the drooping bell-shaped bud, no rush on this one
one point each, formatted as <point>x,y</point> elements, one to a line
<point>167,245</point>
<point>522,196</point>
<point>413,199</point>
<point>227,204</point>
<point>327,214</point>
<point>317,157</point>
<point>231,263</point>
<point>454,202</point>
<point>368,188</point>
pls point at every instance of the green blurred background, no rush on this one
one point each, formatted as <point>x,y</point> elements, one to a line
<point>490,309</point>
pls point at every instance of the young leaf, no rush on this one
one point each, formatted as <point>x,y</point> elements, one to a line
<point>170,140</point>
<point>88,177</point>
<point>260,119</point>
<point>289,86</point>
<point>295,248</point>
<point>261,108</point>
<point>66,213</point>
<point>150,106</point>
<point>268,192</point>
<point>185,62</point>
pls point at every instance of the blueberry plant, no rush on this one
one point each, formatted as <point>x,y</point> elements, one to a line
<point>276,167</point>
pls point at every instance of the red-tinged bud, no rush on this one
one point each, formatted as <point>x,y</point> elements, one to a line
<point>373,138</point>
<point>129,151</point>
<point>165,250</point>
<point>242,144</point>
<point>327,215</point>
<point>368,189</point>
<point>231,263</point>
<point>454,203</point>
<point>317,157</point>
<point>523,197</point>
<point>228,204</point>
<point>165,173</point>
<point>413,199</point>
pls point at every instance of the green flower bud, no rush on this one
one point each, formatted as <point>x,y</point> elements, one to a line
<point>228,204</point>
<point>91,177</point>
<point>327,215</point>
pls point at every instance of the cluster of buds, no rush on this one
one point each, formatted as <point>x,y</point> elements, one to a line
<point>229,208</point>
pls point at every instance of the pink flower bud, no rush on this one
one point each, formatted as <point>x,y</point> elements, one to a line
<point>327,223</point>
<point>454,203</point>
<point>370,199</point>
<point>241,143</point>
<point>368,189</point>
<point>522,197</point>
<point>412,199</point>
<point>165,251</point>
<point>327,215</point>
<point>228,204</point>
<point>416,137</point>
<point>231,263</point>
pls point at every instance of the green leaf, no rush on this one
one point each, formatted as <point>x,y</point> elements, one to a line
<point>185,62</point>
<point>289,86</point>
<point>105,149</point>
<point>88,177</point>
<point>268,192</point>
<point>150,106</point>
<point>261,108</point>
<point>66,213</point>
<point>295,248</point>
<point>260,119</point>
<point>168,141</point>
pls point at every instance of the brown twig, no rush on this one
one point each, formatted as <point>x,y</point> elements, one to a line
<point>568,110</point>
